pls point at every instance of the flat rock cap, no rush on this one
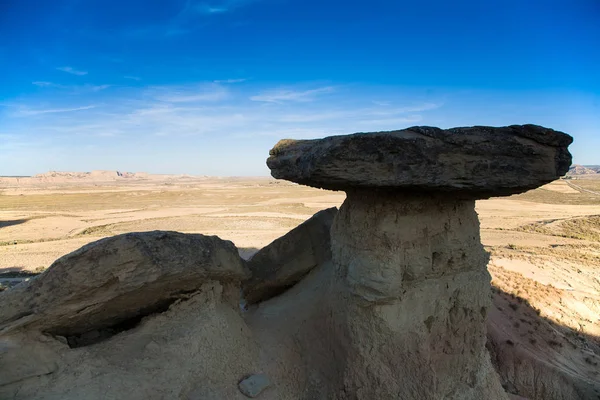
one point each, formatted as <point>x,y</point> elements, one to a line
<point>478,161</point>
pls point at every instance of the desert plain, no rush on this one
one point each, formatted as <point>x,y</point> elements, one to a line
<point>544,244</point>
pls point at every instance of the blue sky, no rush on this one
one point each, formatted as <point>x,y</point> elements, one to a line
<point>208,87</point>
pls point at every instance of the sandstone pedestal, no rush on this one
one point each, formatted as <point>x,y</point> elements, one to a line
<point>411,289</point>
<point>412,293</point>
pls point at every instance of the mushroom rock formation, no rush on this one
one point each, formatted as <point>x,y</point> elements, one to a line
<point>410,289</point>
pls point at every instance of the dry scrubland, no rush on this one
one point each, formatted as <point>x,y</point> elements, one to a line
<point>41,222</point>
<point>544,244</point>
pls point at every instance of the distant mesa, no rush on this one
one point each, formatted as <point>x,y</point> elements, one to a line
<point>584,170</point>
<point>97,174</point>
<point>102,176</point>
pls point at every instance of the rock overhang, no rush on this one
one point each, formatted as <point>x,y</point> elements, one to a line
<point>469,162</point>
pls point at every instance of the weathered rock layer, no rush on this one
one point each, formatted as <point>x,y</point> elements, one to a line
<point>412,294</point>
<point>117,279</point>
<point>151,315</point>
<point>286,260</point>
<point>471,162</point>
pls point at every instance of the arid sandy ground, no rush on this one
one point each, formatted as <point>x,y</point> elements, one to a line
<point>42,221</point>
<point>39,222</point>
<point>545,244</point>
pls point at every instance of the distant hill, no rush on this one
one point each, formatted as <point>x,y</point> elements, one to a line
<point>92,177</point>
<point>583,170</point>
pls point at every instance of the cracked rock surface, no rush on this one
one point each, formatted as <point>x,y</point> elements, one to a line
<point>118,278</point>
<point>474,162</point>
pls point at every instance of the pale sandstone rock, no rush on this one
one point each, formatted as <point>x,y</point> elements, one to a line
<point>411,298</point>
<point>117,279</point>
<point>196,350</point>
<point>472,162</point>
<point>25,357</point>
<point>286,260</point>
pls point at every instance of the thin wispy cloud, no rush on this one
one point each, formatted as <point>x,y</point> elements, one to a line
<point>387,107</point>
<point>133,78</point>
<point>24,112</point>
<point>47,84</point>
<point>388,110</point>
<point>385,113</point>
<point>413,119</point>
<point>380,103</point>
<point>239,80</point>
<point>211,108</point>
<point>316,116</point>
<point>192,12</point>
<point>211,10</point>
<point>194,93</point>
<point>95,88</point>
<point>297,133</point>
<point>282,95</point>
<point>214,7</point>
<point>74,89</point>
<point>196,115</point>
<point>73,71</point>
<point>191,16</point>
<point>419,108</point>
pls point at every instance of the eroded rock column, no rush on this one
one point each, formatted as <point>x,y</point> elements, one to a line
<point>410,293</point>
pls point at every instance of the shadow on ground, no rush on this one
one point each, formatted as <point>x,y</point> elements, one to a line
<point>4,224</point>
<point>10,277</point>
<point>538,358</point>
